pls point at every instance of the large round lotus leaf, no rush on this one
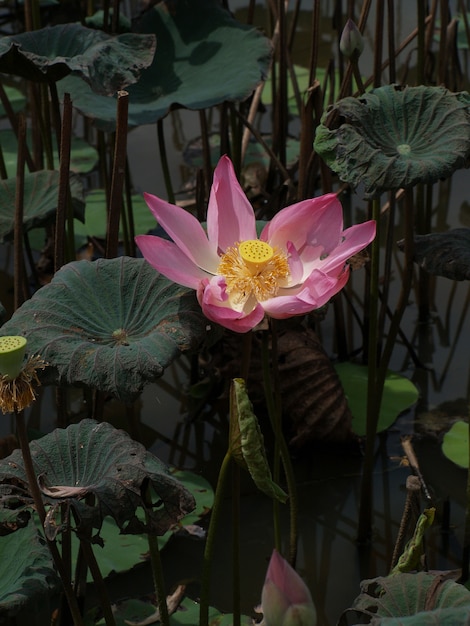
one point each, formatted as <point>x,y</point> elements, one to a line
<point>455,444</point>
<point>107,63</point>
<point>110,324</point>
<point>203,57</point>
<point>83,157</point>
<point>444,254</point>
<point>95,459</point>
<point>398,395</point>
<point>28,576</point>
<point>396,137</point>
<point>40,200</point>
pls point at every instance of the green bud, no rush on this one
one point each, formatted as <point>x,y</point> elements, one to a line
<point>351,42</point>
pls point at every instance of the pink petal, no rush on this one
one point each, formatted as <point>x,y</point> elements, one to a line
<point>185,230</point>
<point>316,221</point>
<point>312,294</point>
<point>169,260</point>
<point>215,306</point>
<point>286,579</point>
<point>354,239</point>
<point>296,267</point>
<point>230,216</point>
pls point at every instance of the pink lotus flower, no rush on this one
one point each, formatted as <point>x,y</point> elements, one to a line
<point>296,265</point>
<point>285,599</point>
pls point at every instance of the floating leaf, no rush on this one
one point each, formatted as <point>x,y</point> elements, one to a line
<point>40,201</point>
<point>91,458</point>
<point>122,552</point>
<point>396,137</point>
<point>111,324</point>
<point>107,63</point>
<point>426,597</point>
<point>455,443</point>
<point>444,254</point>
<point>96,216</point>
<point>398,395</point>
<point>203,58</point>
<point>83,156</point>
<point>28,574</point>
<point>247,443</point>
<point>16,99</point>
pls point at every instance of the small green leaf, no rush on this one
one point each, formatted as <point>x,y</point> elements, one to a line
<point>410,560</point>
<point>246,441</point>
<point>398,395</point>
<point>455,444</point>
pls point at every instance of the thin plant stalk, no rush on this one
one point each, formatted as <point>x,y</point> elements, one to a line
<point>365,507</point>
<point>158,580</point>
<point>236,593</point>
<point>117,179</point>
<point>273,404</point>
<point>210,540</point>
<point>164,161</point>
<point>18,264</point>
<point>64,189</point>
<point>39,504</point>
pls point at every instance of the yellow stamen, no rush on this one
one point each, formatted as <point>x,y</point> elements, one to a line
<point>253,268</point>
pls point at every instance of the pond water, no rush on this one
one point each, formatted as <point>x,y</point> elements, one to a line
<point>328,478</point>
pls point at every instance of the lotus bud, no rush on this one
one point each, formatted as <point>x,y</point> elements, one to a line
<point>286,600</point>
<point>12,351</point>
<point>352,41</point>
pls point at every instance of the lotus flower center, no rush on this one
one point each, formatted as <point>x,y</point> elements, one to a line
<point>404,149</point>
<point>253,268</point>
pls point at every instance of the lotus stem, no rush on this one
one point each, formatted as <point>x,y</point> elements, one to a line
<point>236,544</point>
<point>281,451</point>
<point>64,178</point>
<point>209,549</point>
<point>164,160</point>
<point>365,506</point>
<point>117,179</point>
<point>156,563</point>
<point>39,504</point>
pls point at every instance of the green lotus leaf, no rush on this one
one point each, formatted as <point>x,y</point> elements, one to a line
<point>110,324</point>
<point>387,600</point>
<point>83,157</point>
<point>16,99</point>
<point>444,254</point>
<point>28,576</point>
<point>107,63</point>
<point>398,395</point>
<point>455,443</point>
<point>96,459</point>
<point>204,57</point>
<point>122,552</point>
<point>40,201</point>
<point>395,137</point>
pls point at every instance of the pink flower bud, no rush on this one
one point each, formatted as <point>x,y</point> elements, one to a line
<point>351,41</point>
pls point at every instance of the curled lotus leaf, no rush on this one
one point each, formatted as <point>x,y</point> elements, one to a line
<point>110,324</point>
<point>395,137</point>
<point>203,58</point>
<point>99,471</point>
<point>40,201</point>
<point>444,254</point>
<point>107,63</point>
